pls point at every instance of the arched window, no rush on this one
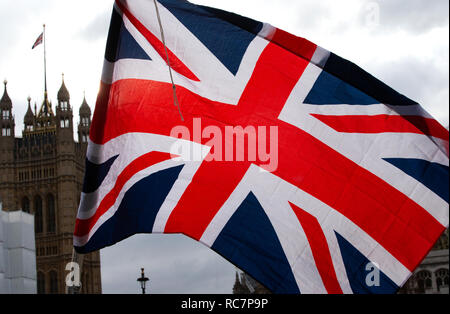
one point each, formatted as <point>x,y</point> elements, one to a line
<point>38,219</point>
<point>5,114</point>
<point>424,281</point>
<point>25,204</point>
<point>441,278</point>
<point>51,216</point>
<point>53,281</point>
<point>6,131</point>
<point>40,283</point>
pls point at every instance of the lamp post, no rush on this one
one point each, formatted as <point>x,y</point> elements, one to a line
<point>143,280</point>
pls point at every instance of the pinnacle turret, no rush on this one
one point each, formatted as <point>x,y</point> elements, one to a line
<point>29,116</point>
<point>63,93</point>
<point>5,101</point>
<point>85,109</point>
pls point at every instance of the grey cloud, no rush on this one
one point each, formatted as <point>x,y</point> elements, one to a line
<point>418,16</point>
<point>97,29</point>
<point>174,264</point>
<point>14,14</point>
<point>419,79</point>
<point>310,14</point>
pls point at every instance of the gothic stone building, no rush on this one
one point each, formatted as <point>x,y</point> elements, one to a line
<point>431,277</point>
<point>42,173</point>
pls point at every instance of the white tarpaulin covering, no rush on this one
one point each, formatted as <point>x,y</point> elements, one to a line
<point>17,252</point>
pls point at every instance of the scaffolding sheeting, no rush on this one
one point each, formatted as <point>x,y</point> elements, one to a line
<point>17,253</point>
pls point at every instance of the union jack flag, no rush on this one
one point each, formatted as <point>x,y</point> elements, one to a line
<point>38,40</point>
<point>363,172</point>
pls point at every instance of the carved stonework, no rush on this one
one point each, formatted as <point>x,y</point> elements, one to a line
<point>42,173</point>
<point>431,277</point>
<point>244,284</point>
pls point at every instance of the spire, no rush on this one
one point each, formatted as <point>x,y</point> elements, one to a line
<point>45,116</point>
<point>46,108</point>
<point>85,109</point>
<point>238,287</point>
<point>6,117</point>
<point>5,102</point>
<point>85,122</point>
<point>29,116</point>
<point>63,93</point>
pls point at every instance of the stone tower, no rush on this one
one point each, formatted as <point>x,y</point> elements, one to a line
<point>7,151</point>
<point>42,173</point>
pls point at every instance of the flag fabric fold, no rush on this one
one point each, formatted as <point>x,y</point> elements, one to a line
<point>344,191</point>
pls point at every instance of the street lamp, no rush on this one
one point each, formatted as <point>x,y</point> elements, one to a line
<point>143,280</point>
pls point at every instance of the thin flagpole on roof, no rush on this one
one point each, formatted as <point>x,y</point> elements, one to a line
<point>45,64</point>
<point>45,72</point>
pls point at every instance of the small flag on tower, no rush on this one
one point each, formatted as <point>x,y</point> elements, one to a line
<point>38,40</point>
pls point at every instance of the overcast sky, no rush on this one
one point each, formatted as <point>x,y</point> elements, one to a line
<point>402,42</point>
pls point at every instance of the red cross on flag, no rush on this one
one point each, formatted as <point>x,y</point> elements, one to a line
<point>294,164</point>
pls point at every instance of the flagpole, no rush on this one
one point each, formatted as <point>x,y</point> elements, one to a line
<point>45,67</point>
